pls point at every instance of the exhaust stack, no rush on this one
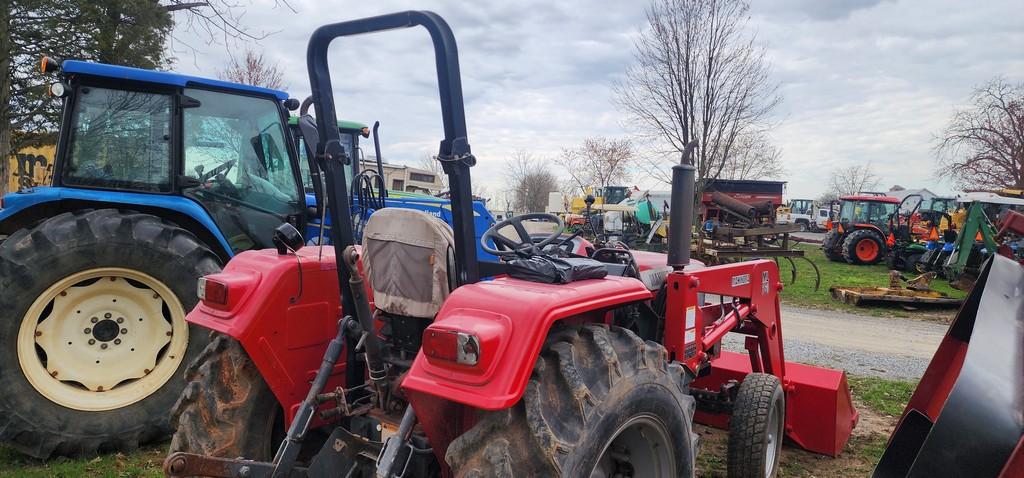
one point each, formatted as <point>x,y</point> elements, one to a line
<point>680,226</point>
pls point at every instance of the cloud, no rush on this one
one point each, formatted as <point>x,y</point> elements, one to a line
<point>867,80</point>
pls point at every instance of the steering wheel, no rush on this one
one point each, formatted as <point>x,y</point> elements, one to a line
<point>509,248</point>
<point>219,170</point>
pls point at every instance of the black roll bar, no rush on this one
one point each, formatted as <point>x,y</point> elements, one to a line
<point>454,152</point>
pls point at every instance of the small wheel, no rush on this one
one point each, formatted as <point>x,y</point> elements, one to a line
<point>756,428</point>
<point>910,264</point>
<point>802,225</point>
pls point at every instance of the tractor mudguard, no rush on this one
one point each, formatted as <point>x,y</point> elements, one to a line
<point>509,319</point>
<point>16,204</point>
<point>283,309</point>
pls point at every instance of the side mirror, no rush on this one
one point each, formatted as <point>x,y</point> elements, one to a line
<point>199,169</point>
<point>287,238</point>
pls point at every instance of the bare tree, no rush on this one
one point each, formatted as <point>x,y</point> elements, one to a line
<point>983,145</point>
<point>254,70</point>
<point>698,75</point>
<point>219,21</point>
<point>753,157</point>
<point>598,162</point>
<point>529,182</point>
<point>852,180</point>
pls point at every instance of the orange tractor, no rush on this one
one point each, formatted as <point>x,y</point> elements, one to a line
<point>407,355</point>
<point>858,235</point>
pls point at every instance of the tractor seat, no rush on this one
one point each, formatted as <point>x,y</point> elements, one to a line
<point>408,257</point>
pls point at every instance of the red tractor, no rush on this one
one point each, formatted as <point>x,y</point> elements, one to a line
<point>858,235</point>
<point>569,359</point>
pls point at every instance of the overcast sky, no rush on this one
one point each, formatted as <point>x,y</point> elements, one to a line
<point>862,80</point>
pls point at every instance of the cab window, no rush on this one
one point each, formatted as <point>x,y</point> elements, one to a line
<point>236,145</point>
<point>120,140</point>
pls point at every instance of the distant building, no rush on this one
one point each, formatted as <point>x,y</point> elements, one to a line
<point>900,193</point>
<point>400,177</point>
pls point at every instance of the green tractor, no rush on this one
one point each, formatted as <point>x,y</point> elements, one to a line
<point>858,235</point>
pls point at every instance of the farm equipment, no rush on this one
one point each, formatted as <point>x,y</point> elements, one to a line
<point>905,248</point>
<point>738,231</point>
<point>563,363</point>
<point>158,180</point>
<point>858,235</point>
<point>917,292</point>
<point>972,387</point>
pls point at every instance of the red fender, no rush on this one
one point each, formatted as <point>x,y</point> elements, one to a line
<point>511,318</point>
<point>283,318</point>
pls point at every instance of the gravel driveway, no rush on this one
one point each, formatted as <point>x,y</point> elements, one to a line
<point>892,348</point>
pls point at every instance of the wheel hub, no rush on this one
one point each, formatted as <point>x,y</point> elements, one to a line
<point>102,339</point>
<point>106,330</point>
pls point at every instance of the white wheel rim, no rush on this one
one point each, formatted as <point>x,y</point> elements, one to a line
<point>102,339</point>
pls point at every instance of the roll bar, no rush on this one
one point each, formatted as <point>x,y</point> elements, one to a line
<point>454,152</point>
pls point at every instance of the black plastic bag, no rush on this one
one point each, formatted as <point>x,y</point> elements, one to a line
<point>553,270</point>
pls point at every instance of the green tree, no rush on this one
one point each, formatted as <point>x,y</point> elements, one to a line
<point>121,32</point>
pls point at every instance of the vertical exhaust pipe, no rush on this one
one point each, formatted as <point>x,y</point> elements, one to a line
<point>680,226</point>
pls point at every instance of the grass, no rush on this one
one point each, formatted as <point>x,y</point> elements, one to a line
<point>885,397</point>
<point>802,293</point>
<point>888,397</point>
<point>143,463</point>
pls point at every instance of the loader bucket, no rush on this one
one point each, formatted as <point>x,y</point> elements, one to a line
<point>966,417</point>
<point>819,411</point>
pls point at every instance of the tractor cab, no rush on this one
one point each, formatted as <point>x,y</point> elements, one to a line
<point>867,210</point>
<point>220,146</point>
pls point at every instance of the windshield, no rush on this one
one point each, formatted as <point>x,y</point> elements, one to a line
<point>238,143</point>
<point>866,211</point>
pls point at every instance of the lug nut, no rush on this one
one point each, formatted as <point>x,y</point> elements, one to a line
<point>63,293</point>
<point>38,333</point>
<point>99,389</point>
<point>104,346</point>
<point>169,334</point>
<point>88,330</point>
<point>120,320</point>
<point>146,371</point>
<point>92,341</point>
<point>117,341</point>
<point>94,320</point>
<point>107,315</point>
<point>53,373</point>
<point>124,331</point>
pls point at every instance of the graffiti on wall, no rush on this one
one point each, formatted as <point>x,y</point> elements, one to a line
<point>30,167</point>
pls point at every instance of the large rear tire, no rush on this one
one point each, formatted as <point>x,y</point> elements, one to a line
<point>600,401</point>
<point>93,332</point>
<point>756,428</point>
<point>830,246</point>
<point>864,246</point>
<point>227,410</point>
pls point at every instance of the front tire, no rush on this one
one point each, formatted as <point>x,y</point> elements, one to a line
<point>600,400</point>
<point>756,428</point>
<point>94,331</point>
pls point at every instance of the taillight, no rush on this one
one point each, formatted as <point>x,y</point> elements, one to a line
<point>452,346</point>
<point>210,290</point>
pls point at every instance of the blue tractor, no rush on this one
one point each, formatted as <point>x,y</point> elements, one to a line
<point>158,179</point>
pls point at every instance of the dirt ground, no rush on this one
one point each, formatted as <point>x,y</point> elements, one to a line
<point>857,460</point>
